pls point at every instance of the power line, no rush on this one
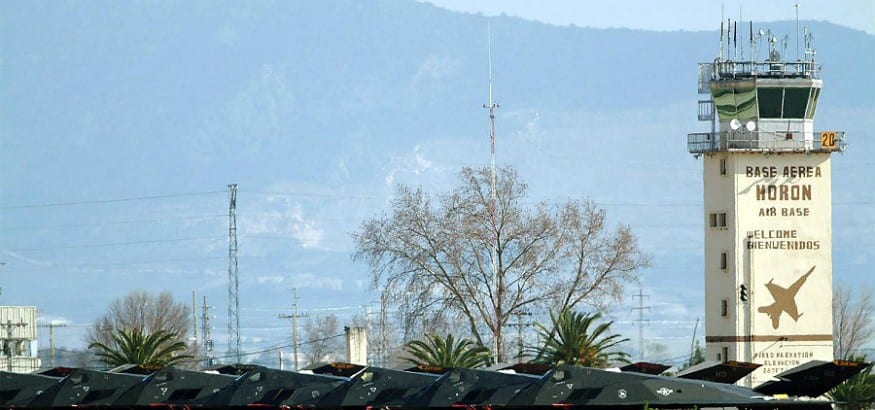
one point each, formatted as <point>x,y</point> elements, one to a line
<point>101,245</point>
<point>67,266</point>
<point>106,201</point>
<point>272,349</point>
<point>100,224</point>
<point>318,195</point>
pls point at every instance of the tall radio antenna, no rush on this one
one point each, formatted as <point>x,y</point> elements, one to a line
<point>492,106</point>
<point>233,281</point>
<point>493,196</point>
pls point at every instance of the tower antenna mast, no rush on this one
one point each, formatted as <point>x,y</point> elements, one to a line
<point>233,283</point>
<point>493,197</point>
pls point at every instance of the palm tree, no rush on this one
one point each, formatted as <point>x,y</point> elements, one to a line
<point>447,353</point>
<point>572,341</point>
<point>858,392</point>
<point>133,346</point>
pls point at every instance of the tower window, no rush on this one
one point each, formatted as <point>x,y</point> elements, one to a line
<point>723,260</point>
<point>725,354</point>
<point>722,166</point>
<point>784,102</point>
<point>717,219</point>
<point>724,307</point>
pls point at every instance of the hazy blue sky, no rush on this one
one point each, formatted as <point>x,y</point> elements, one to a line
<point>122,122</point>
<point>670,14</point>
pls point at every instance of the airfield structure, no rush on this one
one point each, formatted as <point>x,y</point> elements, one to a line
<point>767,207</point>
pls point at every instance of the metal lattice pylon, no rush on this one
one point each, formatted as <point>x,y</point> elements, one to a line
<point>233,283</point>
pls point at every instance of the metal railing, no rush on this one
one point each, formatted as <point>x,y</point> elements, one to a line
<point>765,141</point>
<point>735,69</point>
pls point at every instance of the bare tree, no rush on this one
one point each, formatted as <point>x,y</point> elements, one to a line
<point>463,257</point>
<point>322,341</point>
<point>147,313</point>
<point>852,320</point>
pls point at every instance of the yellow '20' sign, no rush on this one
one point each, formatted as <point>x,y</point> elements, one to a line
<point>828,140</point>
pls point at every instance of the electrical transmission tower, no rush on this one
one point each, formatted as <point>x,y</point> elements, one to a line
<point>233,284</point>
<point>640,310</point>
<point>206,330</point>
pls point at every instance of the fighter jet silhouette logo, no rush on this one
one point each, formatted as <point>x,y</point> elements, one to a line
<point>785,300</point>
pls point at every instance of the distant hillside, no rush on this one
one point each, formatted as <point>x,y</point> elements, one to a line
<point>318,109</point>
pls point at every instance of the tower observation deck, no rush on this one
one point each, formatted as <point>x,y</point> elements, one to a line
<point>767,209</point>
<point>765,106</point>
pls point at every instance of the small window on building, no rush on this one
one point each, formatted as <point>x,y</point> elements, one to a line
<point>725,354</point>
<point>719,357</point>
<point>717,220</point>
<point>723,260</point>
<point>722,166</point>
<point>724,307</point>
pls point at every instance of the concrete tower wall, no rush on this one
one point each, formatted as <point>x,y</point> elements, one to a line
<point>776,237</point>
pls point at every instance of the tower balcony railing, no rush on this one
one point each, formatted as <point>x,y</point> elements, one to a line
<point>744,69</point>
<point>765,141</point>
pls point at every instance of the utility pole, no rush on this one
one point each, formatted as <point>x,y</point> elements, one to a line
<point>294,316</point>
<point>52,326</point>
<point>197,342</point>
<point>205,331</point>
<point>520,324</point>
<point>384,341</point>
<point>233,282</point>
<point>10,344</point>
<point>640,310</point>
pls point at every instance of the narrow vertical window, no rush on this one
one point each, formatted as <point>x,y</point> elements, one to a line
<point>721,220</point>
<point>713,218</point>
<point>722,166</point>
<point>725,354</point>
<point>723,260</point>
<point>724,307</point>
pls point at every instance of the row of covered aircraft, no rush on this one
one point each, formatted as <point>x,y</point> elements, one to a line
<point>350,386</point>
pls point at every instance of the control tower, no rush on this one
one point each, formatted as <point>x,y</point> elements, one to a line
<point>767,209</point>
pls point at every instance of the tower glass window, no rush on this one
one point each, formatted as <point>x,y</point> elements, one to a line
<point>770,102</point>
<point>786,102</point>
<point>812,104</point>
<point>795,102</point>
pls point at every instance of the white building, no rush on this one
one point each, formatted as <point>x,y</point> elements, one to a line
<point>18,339</point>
<point>768,213</point>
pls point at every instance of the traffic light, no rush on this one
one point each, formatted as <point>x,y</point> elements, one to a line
<point>742,293</point>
